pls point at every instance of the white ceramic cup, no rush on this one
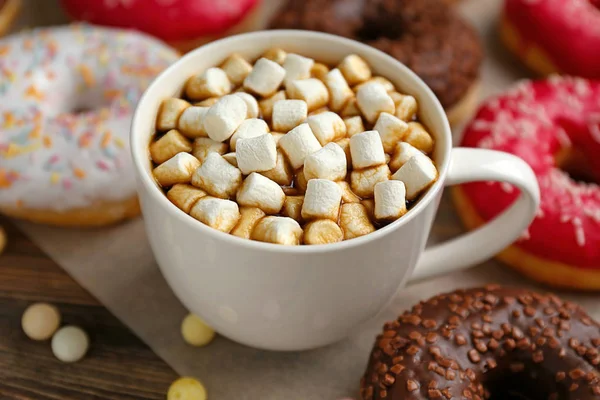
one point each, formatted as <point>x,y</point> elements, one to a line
<point>300,297</point>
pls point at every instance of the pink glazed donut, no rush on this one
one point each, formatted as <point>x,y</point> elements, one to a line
<point>184,24</point>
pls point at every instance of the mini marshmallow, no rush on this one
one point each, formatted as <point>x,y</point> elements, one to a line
<point>418,137</point>
<point>291,191</point>
<point>256,154</point>
<point>203,146</point>
<point>367,150</point>
<point>369,205</point>
<point>278,230</point>
<point>248,129</point>
<point>311,90</point>
<point>389,86</point>
<point>184,196</point>
<point>259,191</point>
<point>388,158</point>
<point>249,217</point>
<point>191,122</point>
<point>208,102</point>
<point>329,162</point>
<point>363,181</point>
<point>322,231</point>
<point>219,214</point>
<point>351,108</point>
<point>236,68</point>
<point>355,69</point>
<point>292,207</point>
<point>266,105</point>
<point>275,54</point>
<point>177,169</point>
<point>288,114</point>
<point>345,145</point>
<point>406,106</point>
<point>373,99</point>
<point>318,111</point>
<point>391,130</point>
<point>169,112</point>
<point>354,125</point>
<point>251,104</point>
<point>265,78</point>
<point>297,67</point>
<point>354,221</point>
<point>277,136</point>
<point>404,152</point>
<point>231,159</point>
<point>348,195</point>
<point>327,127</point>
<point>211,83</point>
<point>321,200</point>
<point>319,71</point>
<point>339,91</point>
<point>224,117</point>
<point>298,143</point>
<point>418,173</point>
<point>390,200</point>
<point>282,173</point>
<point>217,177</point>
<point>167,146</point>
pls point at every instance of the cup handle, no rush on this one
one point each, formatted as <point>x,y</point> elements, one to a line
<point>470,165</point>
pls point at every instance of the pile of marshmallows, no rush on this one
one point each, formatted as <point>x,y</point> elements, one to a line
<point>261,179</point>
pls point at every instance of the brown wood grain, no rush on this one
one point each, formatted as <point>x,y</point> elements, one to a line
<point>118,365</point>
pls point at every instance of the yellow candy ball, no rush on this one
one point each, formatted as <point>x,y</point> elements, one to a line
<point>195,331</point>
<point>186,389</point>
<point>40,321</point>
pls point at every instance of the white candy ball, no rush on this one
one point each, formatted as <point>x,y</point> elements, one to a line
<point>40,321</point>
<point>70,344</point>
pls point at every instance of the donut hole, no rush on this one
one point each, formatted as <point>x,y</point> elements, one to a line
<point>574,162</point>
<point>533,383</point>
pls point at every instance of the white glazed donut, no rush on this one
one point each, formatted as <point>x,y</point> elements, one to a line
<point>67,96</point>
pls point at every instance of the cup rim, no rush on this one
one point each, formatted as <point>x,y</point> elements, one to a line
<point>140,159</point>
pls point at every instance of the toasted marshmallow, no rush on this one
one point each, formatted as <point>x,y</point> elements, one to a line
<point>224,117</point>
<point>355,69</point>
<point>391,130</point>
<point>217,177</point>
<point>372,100</point>
<point>418,173</point>
<point>348,195</point>
<point>390,200</point>
<point>292,207</point>
<point>278,230</point>
<point>404,152</point>
<point>329,162</point>
<point>277,136</point>
<point>265,78</point>
<point>249,217</point>
<point>350,109</point>
<point>321,200</point>
<point>211,83</point>
<point>322,231</point>
<point>339,91</point>
<point>251,104</point>
<point>327,127</point>
<point>236,68</point>
<point>184,196</point>
<point>167,146</point>
<point>389,86</point>
<point>203,146</point>
<point>191,122</point>
<point>256,154</point>
<point>266,105</point>
<point>345,145</point>
<point>275,54</point>
<point>231,159</point>
<point>248,129</point>
<point>288,114</point>
<point>388,158</point>
<point>177,169</point>
<point>297,67</point>
<point>319,71</point>
<point>418,137</point>
<point>367,150</point>
<point>363,181</point>
<point>282,173</point>
<point>219,214</point>
<point>369,205</point>
<point>311,90</point>
<point>300,181</point>
<point>259,191</point>
<point>406,106</point>
<point>354,125</point>
<point>354,221</point>
<point>298,143</point>
<point>207,102</point>
<point>169,112</point>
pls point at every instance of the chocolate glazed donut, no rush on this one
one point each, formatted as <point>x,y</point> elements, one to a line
<point>426,35</point>
<point>484,343</point>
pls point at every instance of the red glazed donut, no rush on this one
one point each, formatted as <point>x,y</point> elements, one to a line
<point>184,24</point>
<point>554,36</point>
<point>554,125</point>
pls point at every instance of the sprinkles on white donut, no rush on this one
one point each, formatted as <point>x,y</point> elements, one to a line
<point>67,96</point>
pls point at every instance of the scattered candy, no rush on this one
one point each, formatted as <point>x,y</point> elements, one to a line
<point>40,321</point>
<point>195,331</point>
<point>70,344</point>
<point>186,389</point>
